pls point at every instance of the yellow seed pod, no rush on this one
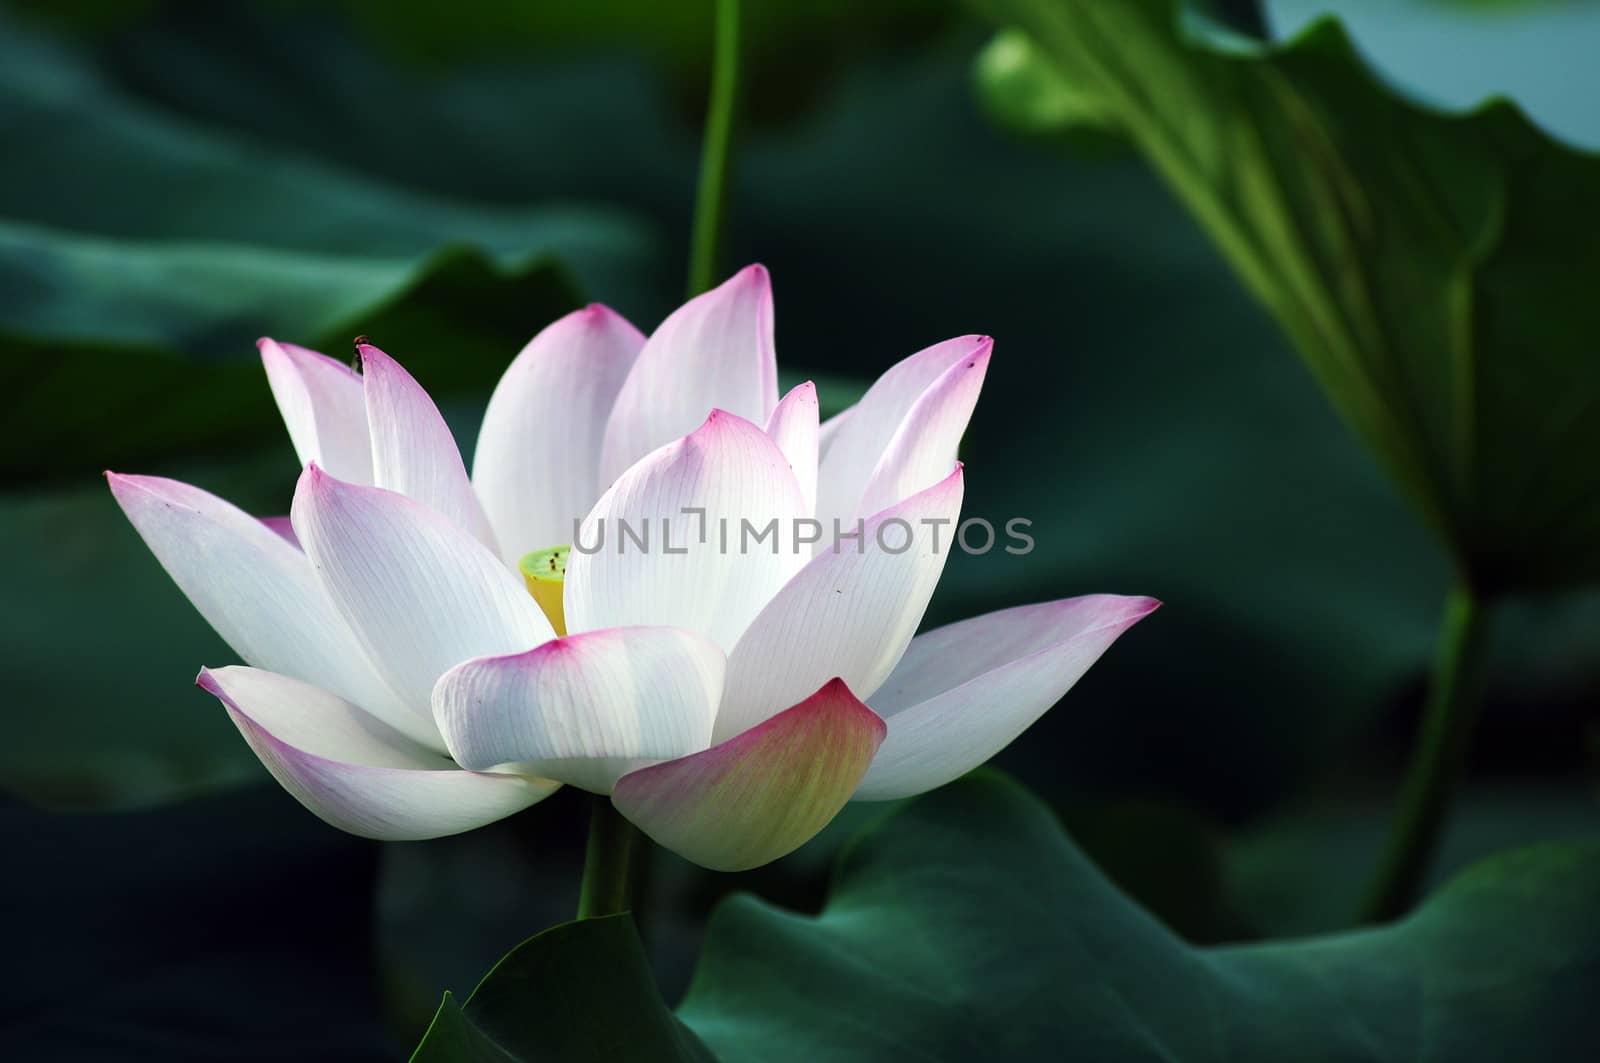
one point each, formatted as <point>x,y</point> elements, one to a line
<point>545,573</point>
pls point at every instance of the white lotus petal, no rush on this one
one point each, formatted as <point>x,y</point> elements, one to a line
<point>585,709</point>
<point>259,593</point>
<point>924,448</point>
<point>353,773</point>
<point>413,451</point>
<point>714,352</point>
<point>323,407</point>
<point>963,692</point>
<point>537,466</point>
<point>857,439</point>
<point>793,426</point>
<point>692,500</point>
<point>849,613</point>
<point>420,593</point>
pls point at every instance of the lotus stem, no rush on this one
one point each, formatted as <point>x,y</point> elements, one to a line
<point>716,153</point>
<point>1454,698</point>
<point>608,864</point>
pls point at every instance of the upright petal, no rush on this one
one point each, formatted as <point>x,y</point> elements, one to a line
<point>354,773</point>
<point>964,691</point>
<point>714,352</point>
<point>259,593</point>
<point>699,504</point>
<point>420,593</point>
<point>793,426</point>
<point>585,709</point>
<point>761,794</point>
<point>413,451</point>
<point>924,447</point>
<point>323,407</point>
<point>859,438</point>
<point>849,613</point>
<point>537,466</point>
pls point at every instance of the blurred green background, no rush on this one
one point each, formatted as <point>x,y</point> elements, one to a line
<point>183,177</point>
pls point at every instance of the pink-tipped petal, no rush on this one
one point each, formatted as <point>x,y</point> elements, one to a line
<point>850,612</point>
<point>692,500</point>
<point>763,793</point>
<point>413,451</point>
<point>793,426</point>
<point>858,439</point>
<point>585,709</point>
<point>258,592</point>
<point>283,528</point>
<point>963,692</point>
<point>537,466</point>
<point>420,593</point>
<point>354,773</point>
<point>714,352</point>
<point>323,407</point>
<point>924,448</point>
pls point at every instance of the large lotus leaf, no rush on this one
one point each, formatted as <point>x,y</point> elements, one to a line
<point>1435,271</point>
<point>966,925</point>
<point>142,254</point>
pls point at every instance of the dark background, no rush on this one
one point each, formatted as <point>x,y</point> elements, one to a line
<point>180,177</point>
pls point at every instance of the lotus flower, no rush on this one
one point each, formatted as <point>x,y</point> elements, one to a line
<point>403,683</point>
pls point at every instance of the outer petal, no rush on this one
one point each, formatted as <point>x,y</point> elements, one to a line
<point>794,427</point>
<point>714,352</point>
<point>729,471</point>
<point>537,466</point>
<point>850,612</point>
<point>258,592</point>
<point>354,773</point>
<point>420,593</point>
<point>963,692</point>
<point>858,439</point>
<point>323,407</point>
<point>584,709</point>
<point>413,451</point>
<point>761,794</point>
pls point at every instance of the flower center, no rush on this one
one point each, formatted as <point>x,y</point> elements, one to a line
<point>545,573</point>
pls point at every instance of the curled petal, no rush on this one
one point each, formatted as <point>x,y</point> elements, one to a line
<point>413,451</point>
<point>537,466</point>
<point>355,773</point>
<point>923,449</point>
<point>856,441</point>
<point>850,612</point>
<point>962,692</point>
<point>584,709</point>
<point>713,352</point>
<point>323,407</point>
<point>761,794</point>
<point>420,593</point>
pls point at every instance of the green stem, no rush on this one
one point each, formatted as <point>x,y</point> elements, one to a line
<point>1454,698</point>
<point>716,153</point>
<point>608,865</point>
